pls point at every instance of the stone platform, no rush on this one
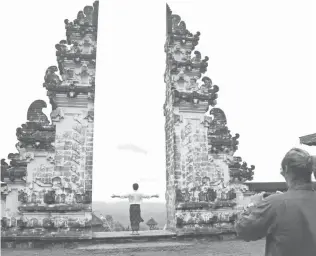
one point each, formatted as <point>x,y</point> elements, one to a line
<point>105,238</point>
<point>128,234</point>
<point>171,248</point>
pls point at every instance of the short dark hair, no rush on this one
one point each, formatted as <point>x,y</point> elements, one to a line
<point>135,186</point>
<point>299,163</point>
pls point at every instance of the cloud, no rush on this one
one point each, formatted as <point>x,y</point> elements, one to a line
<point>133,148</point>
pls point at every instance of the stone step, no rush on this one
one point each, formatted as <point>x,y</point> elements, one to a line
<point>102,238</point>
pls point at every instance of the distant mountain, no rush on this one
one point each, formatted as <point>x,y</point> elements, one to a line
<point>120,212</point>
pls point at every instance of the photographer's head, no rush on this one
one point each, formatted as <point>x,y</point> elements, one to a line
<point>297,167</point>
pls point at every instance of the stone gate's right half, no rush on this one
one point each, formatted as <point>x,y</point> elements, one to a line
<point>205,182</point>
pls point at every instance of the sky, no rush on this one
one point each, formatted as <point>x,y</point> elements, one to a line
<point>262,57</point>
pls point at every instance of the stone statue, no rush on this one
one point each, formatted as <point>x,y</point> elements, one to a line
<point>51,77</point>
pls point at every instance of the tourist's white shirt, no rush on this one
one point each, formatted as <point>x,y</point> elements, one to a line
<point>135,197</point>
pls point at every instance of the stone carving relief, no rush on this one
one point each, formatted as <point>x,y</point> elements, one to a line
<point>81,121</point>
<point>44,222</point>
<point>70,156</point>
<point>214,222</point>
<point>22,157</point>
<point>219,137</point>
<point>90,116</point>
<point>35,112</point>
<point>193,84</point>
<point>37,132</point>
<point>81,74</point>
<point>239,170</point>
<point>86,21</point>
<point>178,26</point>
<point>178,119</point>
<point>69,75</point>
<point>91,95</point>
<point>57,115</point>
<point>85,46</point>
<point>177,53</point>
<point>15,171</point>
<point>43,173</point>
<point>88,45</point>
<point>187,89</point>
<point>207,86</point>
<point>51,78</point>
<point>207,121</point>
<point>5,190</point>
<point>85,17</point>
<point>194,161</point>
<point>84,74</point>
<point>197,59</point>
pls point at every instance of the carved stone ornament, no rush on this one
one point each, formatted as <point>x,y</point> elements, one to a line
<point>82,49</point>
<point>208,88</point>
<point>29,156</point>
<point>51,78</point>
<point>207,121</point>
<point>177,53</point>
<point>177,31</point>
<point>50,158</point>
<point>177,119</point>
<point>80,118</point>
<point>178,26</point>
<point>86,22</point>
<point>91,96</point>
<point>36,135</point>
<point>5,190</point>
<point>90,116</point>
<point>35,112</point>
<point>57,115</point>
<point>239,171</point>
<point>72,92</point>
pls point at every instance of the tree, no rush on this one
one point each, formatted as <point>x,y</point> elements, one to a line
<point>109,218</point>
<point>118,226</point>
<point>152,224</point>
<point>107,222</point>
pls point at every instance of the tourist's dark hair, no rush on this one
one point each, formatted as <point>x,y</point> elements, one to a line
<point>135,186</point>
<point>300,164</point>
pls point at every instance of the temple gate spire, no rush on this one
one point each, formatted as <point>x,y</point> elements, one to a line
<point>47,187</point>
<point>202,173</point>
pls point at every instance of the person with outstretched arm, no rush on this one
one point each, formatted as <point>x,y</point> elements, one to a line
<point>135,199</point>
<point>287,220</point>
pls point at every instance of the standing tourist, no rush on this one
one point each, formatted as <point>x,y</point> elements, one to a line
<point>135,198</point>
<point>287,220</point>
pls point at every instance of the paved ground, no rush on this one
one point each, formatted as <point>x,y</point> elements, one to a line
<point>199,248</point>
<point>123,234</point>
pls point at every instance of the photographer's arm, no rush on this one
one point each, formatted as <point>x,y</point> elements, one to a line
<point>254,223</point>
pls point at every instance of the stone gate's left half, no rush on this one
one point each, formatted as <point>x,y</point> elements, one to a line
<point>46,188</point>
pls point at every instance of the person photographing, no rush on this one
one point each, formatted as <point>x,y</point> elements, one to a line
<point>287,220</point>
